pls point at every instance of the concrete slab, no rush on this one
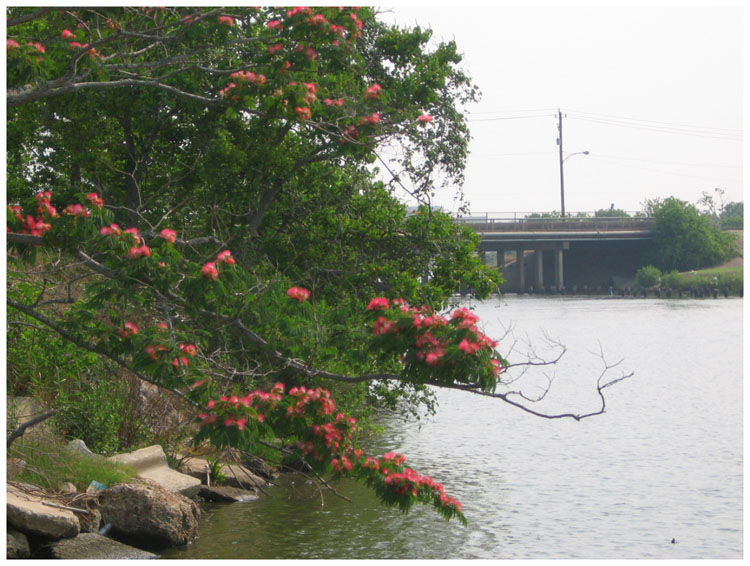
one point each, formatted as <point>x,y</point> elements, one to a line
<point>27,513</point>
<point>151,463</point>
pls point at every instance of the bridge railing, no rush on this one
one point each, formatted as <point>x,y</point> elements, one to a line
<point>521,222</point>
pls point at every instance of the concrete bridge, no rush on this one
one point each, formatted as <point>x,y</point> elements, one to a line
<point>577,251</point>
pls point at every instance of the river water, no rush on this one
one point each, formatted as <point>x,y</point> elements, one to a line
<point>664,462</point>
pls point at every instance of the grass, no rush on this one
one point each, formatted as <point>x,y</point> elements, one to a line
<point>714,271</point>
<point>49,463</point>
<point>721,278</point>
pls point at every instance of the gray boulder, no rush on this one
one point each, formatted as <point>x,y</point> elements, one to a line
<point>80,446</point>
<point>93,546</point>
<point>149,514</point>
<point>18,545</point>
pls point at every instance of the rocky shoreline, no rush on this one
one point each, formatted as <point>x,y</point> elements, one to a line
<point>124,521</point>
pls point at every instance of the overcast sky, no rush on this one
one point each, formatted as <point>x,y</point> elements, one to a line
<point>653,93</point>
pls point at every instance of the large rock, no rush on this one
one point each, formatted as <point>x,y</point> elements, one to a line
<point>18,545</point>
<point>259,467</point>
<point>239,476</point>
<point>80,446</point>
<point>227,494</point>
<point>28,513</point>
<point>151,463</point>
<point>148,515</point>
<point>234,475</point>
<point>92,546</point>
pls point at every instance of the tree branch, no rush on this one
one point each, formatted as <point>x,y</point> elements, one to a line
<point>29,17</point>
<point>28,424</point>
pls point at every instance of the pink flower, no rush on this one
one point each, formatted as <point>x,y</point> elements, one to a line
<point>298,10</point>
<point>177,362</point>
<point>225,257</point>
<point>209,271</point>
<point>272,49</point>
<point>373,91</point>
<point>424,118</point>
<point>154,351</point>
<point>226,20</point>
<point>275,24</point>
<point>311,54</point>
<point>12,44</point>
<point>67,34</point>
<point>298,293</point>
<point>378,303</point>
<point>169,235</point>
<point>303,112</point>
<point>198,384</point>
<point>95,200</point>
<point>468,347</point>
<point>129,329</point>
<point>133,232</point>
<point>496,368</point>
<point>431,359</point>
<point>76,210</point>
<point>332,102</point>
<point>140,251</point>
<point>373,119</point>
<point>188,349</point>
<point>109,230</point>
<point>39,47</point>
<point>318,19</point>
<point>162,326</point>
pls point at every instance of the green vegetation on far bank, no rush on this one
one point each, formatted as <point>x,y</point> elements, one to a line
<point>721,278</point>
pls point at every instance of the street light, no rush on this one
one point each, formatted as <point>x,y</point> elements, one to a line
<point>562,182</point>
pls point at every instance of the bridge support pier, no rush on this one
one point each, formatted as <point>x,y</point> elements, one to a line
<point>520,266</point>
<point>539,268</point>
<point>559,283</point>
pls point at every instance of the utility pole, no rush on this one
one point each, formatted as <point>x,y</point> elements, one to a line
<point>560,145</point>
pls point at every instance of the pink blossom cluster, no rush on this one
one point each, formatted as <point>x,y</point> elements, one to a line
<point>432,334</point>
<point>36,225</point>
<point>228,412</point>
<point>210,271</point>
<point>329,438</point>
<point>373,119</point>
<point>249,77</point>
<point>298,293</point>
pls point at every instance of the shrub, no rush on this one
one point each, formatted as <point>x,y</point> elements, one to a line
<point>686,239</point>
<point>647,276</point>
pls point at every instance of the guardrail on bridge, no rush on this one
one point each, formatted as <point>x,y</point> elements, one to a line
<point>513,222</point>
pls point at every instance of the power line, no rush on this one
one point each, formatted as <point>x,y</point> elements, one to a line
<point>508,118</point>
<point>609,161</point>
<point>726,137</point>
<point>668,162</point>
<point>693,126</point>
<point>516,111</point>
<point>512,154</point>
